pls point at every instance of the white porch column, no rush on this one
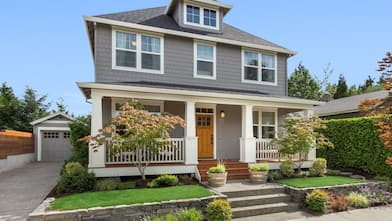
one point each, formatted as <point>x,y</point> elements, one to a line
<point>191,154</point>
<point>96,155</point>
<point>312,151</point>
<point>247,141</point>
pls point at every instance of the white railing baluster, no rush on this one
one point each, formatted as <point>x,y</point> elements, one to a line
<point>266,151</point>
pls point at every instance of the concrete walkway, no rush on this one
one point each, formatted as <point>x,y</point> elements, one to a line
<point>23,189</point>
<point>382,213</point>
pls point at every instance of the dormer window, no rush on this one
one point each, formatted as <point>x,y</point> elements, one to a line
<point>193,14</point>
<point>201,17</point>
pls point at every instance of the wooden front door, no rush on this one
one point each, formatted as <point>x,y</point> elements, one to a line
<point>205,133</point>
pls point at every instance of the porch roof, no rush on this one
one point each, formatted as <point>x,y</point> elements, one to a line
<point>192,91</point>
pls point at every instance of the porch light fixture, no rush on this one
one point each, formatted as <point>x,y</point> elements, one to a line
<point>222,114</point>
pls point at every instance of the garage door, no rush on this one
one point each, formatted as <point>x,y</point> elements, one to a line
<point>55,145</point>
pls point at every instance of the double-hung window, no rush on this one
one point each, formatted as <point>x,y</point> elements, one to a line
<point>137,52</point>
<point>259,68</point>
<point>264,124</point>
<point>205,61</point>
<point>202,17</point>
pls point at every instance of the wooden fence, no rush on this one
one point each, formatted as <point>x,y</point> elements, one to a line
<point>15,143</point>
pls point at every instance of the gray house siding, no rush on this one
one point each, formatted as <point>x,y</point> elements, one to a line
<point>228,132</point>
<point>178,109</point>
<point>106,110</point>
<point>178,65</point>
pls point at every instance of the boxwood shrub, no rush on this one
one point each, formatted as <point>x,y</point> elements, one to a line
<point>357,146</point>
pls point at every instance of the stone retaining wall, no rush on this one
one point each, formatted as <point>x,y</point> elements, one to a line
<point>298,195</point>
<point>120,213</point>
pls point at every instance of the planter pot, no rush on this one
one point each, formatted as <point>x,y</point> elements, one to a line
<point>258,176</point>
<point>217,179</point>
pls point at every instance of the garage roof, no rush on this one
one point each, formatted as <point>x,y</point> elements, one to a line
<point>61,114</point>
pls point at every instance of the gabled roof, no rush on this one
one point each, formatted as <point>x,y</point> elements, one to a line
<point>347,104</point>
<point>226,8</point>
<point>52,116</point>
<point>157,18</point>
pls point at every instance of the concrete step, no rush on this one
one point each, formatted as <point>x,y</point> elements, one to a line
<point>254,192</point>
<point>263,209</point>
<point>259,200</point>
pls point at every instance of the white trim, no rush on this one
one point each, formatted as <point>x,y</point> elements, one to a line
<point>201,19</point>
<point>206,2</point>
<point>186,34</point>
<point>195,59</point>
<point>138,52</point>
<point>259,68</point>
<point>57,121</point>
<point>52,116</point>
<point>152,93</point>
<point>39,138</point>
<point>214,114</point>
<point>260,124</point>
<point>150,170</point>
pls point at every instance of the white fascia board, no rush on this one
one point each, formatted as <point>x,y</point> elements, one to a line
<point>51,116</point>
<point>191,93</point>
<point>188,35</point>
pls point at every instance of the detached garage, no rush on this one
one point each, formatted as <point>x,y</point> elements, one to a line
<point>51,137</point>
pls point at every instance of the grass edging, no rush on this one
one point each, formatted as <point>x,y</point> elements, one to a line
<point>307,182</point>
<point>136,211</point>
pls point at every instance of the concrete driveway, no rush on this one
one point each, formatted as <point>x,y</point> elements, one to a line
<point>23,189</point>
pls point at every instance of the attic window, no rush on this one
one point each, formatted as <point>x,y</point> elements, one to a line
<point>201,17</point>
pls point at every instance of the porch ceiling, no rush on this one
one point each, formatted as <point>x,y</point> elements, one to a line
<point>199,94</point>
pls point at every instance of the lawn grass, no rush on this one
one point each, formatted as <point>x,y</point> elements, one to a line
<point>318,181</point>
<point>128,197</point>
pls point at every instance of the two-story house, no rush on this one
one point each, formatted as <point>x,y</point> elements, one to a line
<point>230,86</point>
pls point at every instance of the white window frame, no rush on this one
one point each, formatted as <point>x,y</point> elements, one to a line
<point>201,20</point>
<point>260,122</point>
<point>259,68</point>
<point>143,102</point>
<point>138,52</point>
<point>195,59</point>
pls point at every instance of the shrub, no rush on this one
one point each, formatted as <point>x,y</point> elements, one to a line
<point>274,175</point>
<point>261,167</point>
<point>106,185</point>
<point>164,180</point>
<point>168,217</point>
<point>75,179</point>
<point>190,215</point>
<point>317,200</point>
<point>79,128</point>
<point>357,146</point>
<point>219,210</point>
<point>332,172</point>
<point>338,203</point>
<point>357,200</point>
<point>287,168</point>
<point>376,195</point>
<point>109,185</point>
<point>319,167</point>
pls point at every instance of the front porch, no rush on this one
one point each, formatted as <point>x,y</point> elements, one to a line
<point>217,127</point>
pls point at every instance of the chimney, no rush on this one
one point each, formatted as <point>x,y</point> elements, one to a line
<point>326,97</point>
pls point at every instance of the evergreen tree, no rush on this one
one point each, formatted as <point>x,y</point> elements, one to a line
<point>342,88</point>
<point>302,84</point>
<point>33,108</point>
<point>10,108</point>
<point>61,107</point>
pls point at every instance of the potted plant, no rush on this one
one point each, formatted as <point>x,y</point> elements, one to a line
<point>259,173</point>
<point>217,175</point>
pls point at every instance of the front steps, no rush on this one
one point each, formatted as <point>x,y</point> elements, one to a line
<point>266,199</point>
<point>235,169</point>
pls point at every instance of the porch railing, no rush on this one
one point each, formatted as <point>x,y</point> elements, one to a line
<point>172,151</point>
<point>267,151</point>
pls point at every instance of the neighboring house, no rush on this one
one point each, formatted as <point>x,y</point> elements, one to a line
<point>229,86</point>
<point>51,137</point>
<point>346,107</point>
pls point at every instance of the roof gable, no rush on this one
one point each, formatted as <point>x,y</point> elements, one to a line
<point>55,116</point>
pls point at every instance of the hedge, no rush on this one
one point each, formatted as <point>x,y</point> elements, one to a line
<point>357,146</point>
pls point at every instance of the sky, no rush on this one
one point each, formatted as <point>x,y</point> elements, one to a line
<point>44,45</point>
